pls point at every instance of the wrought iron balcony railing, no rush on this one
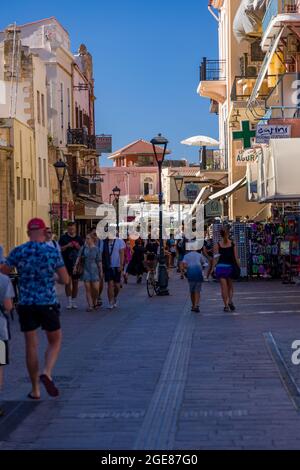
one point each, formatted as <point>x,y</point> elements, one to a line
<point>212,70</point>
<point>242,87</point>
<point>277,7</point>
<point>81,137</point>
<point>82,185</point>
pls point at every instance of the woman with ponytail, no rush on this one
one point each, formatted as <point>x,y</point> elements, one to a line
<point>227,268</point>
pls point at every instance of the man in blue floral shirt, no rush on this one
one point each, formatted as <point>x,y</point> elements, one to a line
<point>37,265</point>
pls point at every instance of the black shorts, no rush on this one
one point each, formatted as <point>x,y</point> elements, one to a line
<point>32,317</point>
<point>112,274</point>
<point>4,357</point>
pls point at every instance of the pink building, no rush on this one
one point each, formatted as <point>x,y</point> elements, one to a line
<point>135,172</point>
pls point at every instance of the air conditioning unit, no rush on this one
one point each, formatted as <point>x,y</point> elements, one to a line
<point>251,71</point>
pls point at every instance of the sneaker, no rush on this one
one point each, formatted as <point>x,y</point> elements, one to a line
<point>115,304</point>
<point>110,307</point>
<point>74,305</point>
<point>231,306</point>
<point>197,309</point>
<point>226,309</point>
<point>69,307</point>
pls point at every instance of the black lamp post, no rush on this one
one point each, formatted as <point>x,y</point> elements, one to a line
<point>179,185</point>
<point>60,169</point>
<point>116,193</point>
<point>163,278</point>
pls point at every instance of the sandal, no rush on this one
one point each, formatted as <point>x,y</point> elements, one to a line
<point>226,309</point>
<point>49,385</point>
<point>32,397</point>
<point>89,309</point>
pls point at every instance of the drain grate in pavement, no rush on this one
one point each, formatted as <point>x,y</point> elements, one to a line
<point>56,378</point>
<point>214,414</point>
<point>15,413</point>
<point>128,414</point>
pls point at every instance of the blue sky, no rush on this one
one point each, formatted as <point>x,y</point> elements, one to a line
<point>146,63</point>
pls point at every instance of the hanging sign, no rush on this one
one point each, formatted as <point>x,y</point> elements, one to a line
<point>243,157</point>
<point>264,133</point>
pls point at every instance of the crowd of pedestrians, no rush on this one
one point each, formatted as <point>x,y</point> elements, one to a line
<point>43,261</point>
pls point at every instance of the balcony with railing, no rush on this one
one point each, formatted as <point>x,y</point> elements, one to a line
<point>215,160</point>
<point>243,86</point>
<point>283,9</point>
<point>213,79</point>
<point>81,137</point>
<point>82,186</point>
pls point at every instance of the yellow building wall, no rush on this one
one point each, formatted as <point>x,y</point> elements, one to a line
<point>24,180</point>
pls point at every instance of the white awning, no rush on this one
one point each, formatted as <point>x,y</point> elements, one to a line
<point>202,197</point>
<point>279,171</point>
<point>264,67</point>
<point>226,192</point>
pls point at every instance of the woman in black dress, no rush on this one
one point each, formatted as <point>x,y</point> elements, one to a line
<point>136,265</point>
<point>227,268</point>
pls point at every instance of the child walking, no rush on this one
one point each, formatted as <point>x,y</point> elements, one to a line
<point>192,263</point>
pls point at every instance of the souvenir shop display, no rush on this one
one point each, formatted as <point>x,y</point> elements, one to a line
<point>264,241</point>
<point>240,236</point>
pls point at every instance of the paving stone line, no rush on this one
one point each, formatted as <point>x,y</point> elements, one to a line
<point>159,426</point>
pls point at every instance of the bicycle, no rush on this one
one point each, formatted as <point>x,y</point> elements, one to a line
<point>152,276</point>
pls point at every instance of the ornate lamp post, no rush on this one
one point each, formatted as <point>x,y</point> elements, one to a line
<point>116,193</point>
<point>60,169</point>
<point>163,278</point>
<point>179,185</point>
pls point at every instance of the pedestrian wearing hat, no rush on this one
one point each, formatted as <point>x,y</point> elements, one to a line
<point>37,264</point>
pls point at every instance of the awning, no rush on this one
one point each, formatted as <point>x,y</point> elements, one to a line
<point>264,68</point>
<point>226,192</point>
<point>201,198</point>
<point>279,171</point>
<point>248,19</point>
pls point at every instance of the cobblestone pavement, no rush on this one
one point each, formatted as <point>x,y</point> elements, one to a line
<point>153,375</point>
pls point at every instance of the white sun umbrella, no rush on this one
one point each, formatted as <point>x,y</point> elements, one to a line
<point>200,141</point>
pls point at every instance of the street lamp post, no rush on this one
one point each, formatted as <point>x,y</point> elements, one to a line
<point>60,169</point>
<point>116,193</point>
<point>163,278</point>
<point>179,185</point>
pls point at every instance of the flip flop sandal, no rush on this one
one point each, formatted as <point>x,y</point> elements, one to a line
<point>49,385</point>
<point>32,397</point>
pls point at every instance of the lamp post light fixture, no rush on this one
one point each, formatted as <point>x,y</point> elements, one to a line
<point>60,169</point>
<point>163,278</point>
<point>116,193</point>
<point>179,185</point>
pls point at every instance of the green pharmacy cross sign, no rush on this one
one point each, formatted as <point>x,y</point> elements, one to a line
<point>245,134</point>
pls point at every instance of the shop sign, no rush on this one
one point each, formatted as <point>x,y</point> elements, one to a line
<point>244,157</point>
<point>191,191</point>
<point>213,209</point>
<point>264,133</point>
<point>104,143</point>
<point>55,210</point>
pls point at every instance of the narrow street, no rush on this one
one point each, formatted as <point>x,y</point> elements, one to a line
<point>153,375</point>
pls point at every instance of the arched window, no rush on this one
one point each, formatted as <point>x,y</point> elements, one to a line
<point>148,186</point>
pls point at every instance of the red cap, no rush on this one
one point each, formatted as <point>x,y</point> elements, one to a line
<point>36,224</point>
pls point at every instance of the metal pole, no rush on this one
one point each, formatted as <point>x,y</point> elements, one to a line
<point>163,277</point>
<point>61,208</point>
<point>179,211</point>
<point>118,222</point>
<point>160,200</point>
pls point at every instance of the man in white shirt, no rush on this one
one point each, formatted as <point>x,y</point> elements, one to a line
<point>113,266</point>
<point>50,241</point>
